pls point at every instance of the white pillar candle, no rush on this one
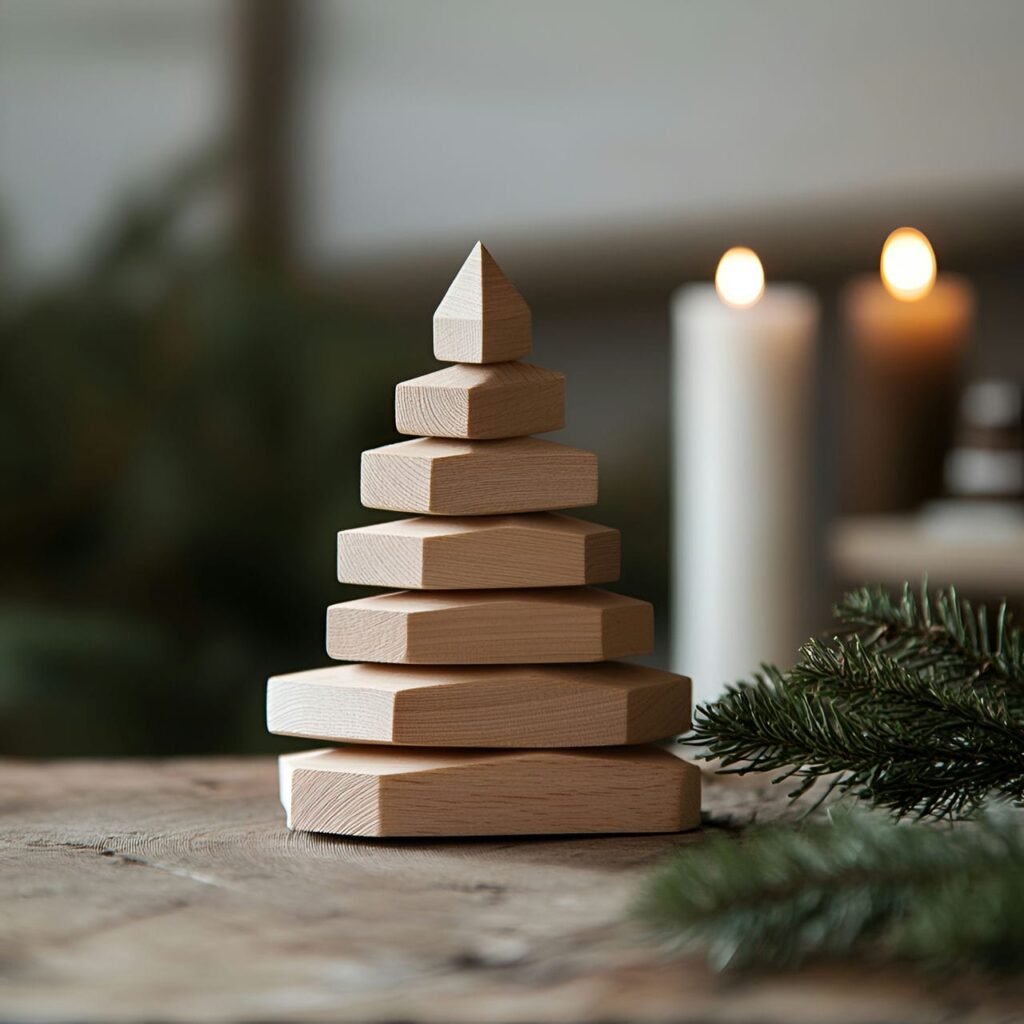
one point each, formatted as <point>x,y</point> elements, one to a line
<point>742,384</point>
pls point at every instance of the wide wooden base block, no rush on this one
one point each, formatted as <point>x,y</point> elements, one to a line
<point>490,627</point>
<point>540,549</point>
<point>445,477</point>
<point>387,791</point>
<point>608,704</point>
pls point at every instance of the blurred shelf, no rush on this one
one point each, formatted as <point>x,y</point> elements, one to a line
<point>981,553</point>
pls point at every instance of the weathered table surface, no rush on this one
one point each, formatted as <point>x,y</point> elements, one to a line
<point>164,890</point>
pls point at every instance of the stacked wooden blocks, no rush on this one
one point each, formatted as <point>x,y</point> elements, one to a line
<point>480,699</point>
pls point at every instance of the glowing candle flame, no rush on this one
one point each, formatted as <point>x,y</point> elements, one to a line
<point>908,265</point>
<point>739,279</point>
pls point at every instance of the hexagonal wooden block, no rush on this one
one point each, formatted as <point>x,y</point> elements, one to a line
<point>609,704</point>
<point>540,549</point>
<point>412,791</point>
<point>490,627</point>
<point>482,318</point>
<point>481,402</point>
<point>438,476</point>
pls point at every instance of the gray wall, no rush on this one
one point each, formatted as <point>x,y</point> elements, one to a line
<point>630,139</point>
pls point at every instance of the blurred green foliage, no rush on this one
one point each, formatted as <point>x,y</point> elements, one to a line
<point>179,442</point>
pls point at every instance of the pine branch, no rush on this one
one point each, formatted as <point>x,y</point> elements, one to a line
<point>943,633</point>
<point>860,885</point>
<point>917,710</point>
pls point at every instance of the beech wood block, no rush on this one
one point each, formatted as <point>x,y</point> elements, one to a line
<point>482,318</point>
<point>539,549</point>
<point>471,478</point>
<point>490,627</point>
<point>395,791</point>
<point>500,400</point>
<point>609,704</point>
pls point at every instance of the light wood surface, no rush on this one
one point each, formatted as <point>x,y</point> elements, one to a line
<point>481,402</point>
<point>411,791</point>
<point>541,549</point>
<point>607,704</point>
<point>172,891</point>
<point>482,318</point>
<point>440,476</point>
<point>982,554</point>
<point>490,627</point>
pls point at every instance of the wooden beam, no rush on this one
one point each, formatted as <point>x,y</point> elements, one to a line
<point>265,85</point>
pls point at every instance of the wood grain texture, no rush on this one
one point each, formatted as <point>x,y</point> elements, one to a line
<point>412,791</point>
<point>440,476</point>
<point>607,704</point>
<point>490,627</point>
<point>171,890</point>
<point>481,402</point>
<point>541,549</point>
<point>482,318</point>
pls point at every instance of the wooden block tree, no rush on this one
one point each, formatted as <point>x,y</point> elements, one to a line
<point>481,698</point>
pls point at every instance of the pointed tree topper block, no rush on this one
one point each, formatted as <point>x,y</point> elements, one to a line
<point>539,549</point>
<point>482,318</point>
<point>481,402</point>
<point>490,627</point>
<point>444,477</point>
<point>609,704</point>
<point>412,791</point>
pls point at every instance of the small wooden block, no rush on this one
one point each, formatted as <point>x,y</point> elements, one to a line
<point>445,477</point>
<point>490,627</point>
<point>482,318</point>
<point>540,549</point>
<point>609,704</point>
<point>480,402</point>
<point>391,791</point>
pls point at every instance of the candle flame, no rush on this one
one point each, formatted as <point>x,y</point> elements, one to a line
<point>908,265</point>
<point>739,279</point>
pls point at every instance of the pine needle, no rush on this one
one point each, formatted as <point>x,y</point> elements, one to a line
<point>916,705</point>
<point>860,885</point>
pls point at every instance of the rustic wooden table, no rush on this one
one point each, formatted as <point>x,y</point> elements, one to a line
<point>168,890</point>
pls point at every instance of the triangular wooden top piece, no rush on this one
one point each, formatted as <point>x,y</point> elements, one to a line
<point>482,318</point>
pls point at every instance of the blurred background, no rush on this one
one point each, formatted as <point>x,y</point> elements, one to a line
<point>224,227</point>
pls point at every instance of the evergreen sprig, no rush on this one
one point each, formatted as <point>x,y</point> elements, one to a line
<point>860,885</point>
<point>943,635</point>
<point>916,705</point>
